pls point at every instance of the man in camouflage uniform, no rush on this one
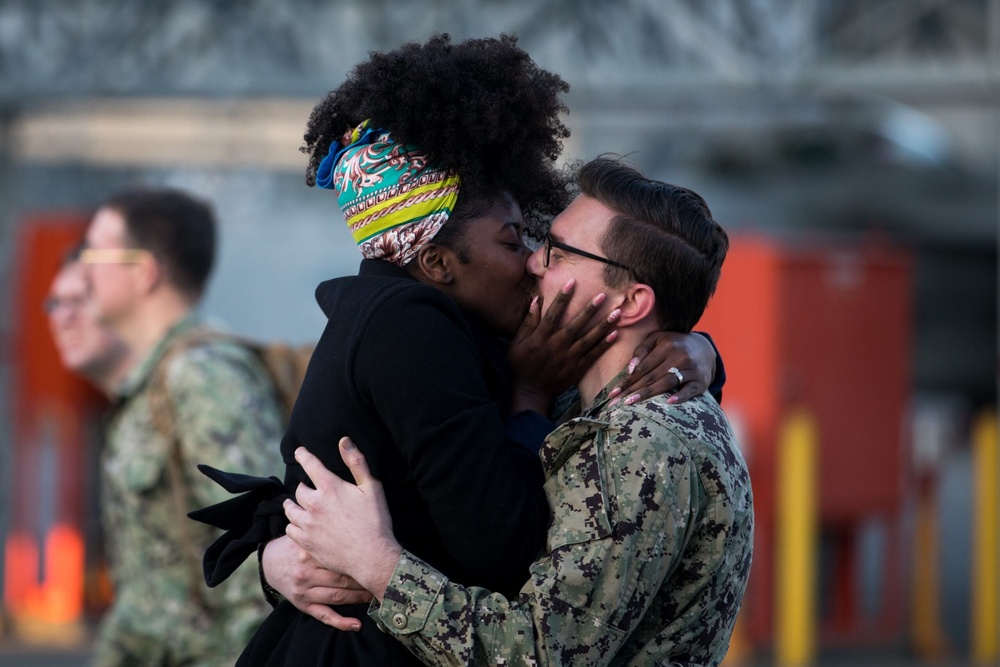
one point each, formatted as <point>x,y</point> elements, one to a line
<point>148,255</point>
<point>649,549</point>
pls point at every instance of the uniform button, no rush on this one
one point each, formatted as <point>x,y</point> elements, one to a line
<point>399,621</point>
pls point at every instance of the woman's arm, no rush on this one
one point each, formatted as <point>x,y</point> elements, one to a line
<point>664,354</point>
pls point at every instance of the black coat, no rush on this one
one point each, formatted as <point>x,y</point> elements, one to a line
<point>422,393</point>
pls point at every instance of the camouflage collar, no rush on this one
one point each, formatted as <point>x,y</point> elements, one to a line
<point>137,379</point>
<point>600,402</point>
<point>575,432</point>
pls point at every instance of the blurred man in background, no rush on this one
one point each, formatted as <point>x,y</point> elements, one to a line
<point>85,346</point>
<point>185,400</point>
<point>92,351</point>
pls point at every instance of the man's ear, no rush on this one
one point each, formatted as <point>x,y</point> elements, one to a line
<point>639,303</point>
<point>434,265</point>
<point>149,273</point>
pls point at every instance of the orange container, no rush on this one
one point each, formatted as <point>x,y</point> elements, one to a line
<point>53,427</point>
<point>826,328</point>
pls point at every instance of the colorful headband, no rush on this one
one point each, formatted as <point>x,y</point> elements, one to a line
<point>394,203</point>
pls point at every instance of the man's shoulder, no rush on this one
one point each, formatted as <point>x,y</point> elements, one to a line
<point>687,418</point>
<point>215,347</point>
<point>214,366</point>
<point>215,390</point>
<point>692,426</point>
<point>700,429</point>
<point>221,350</point>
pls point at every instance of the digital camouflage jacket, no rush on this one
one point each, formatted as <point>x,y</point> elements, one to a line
<point>646,561</point>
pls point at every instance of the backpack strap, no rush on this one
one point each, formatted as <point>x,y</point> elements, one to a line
<point>178,489</point>
<point>285,366</point>
<point>164,421</point>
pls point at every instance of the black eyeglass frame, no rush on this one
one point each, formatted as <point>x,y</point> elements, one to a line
<point>550,243</point>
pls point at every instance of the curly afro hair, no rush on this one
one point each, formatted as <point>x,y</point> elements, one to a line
<point>482,108</point>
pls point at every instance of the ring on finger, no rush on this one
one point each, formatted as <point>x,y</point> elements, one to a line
<point>677,374</point>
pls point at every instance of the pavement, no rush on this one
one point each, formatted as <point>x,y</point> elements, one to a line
<point>14,655</point>
<point>45,645</point>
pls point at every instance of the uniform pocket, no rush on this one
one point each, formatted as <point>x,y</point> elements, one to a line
<point>578,496</point>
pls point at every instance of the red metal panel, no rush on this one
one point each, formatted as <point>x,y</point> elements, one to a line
<point>827,329</point>
<point>846,359</point>
<point>51,412</point>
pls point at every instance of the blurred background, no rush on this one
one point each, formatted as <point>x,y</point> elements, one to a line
<point>850,147</point>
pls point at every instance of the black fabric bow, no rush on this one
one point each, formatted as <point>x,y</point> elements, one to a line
<point>250,519</point>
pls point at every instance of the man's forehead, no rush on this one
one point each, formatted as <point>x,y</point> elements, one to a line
<point>107,224</point>
<point>584,216</point>
<point>71,279</point>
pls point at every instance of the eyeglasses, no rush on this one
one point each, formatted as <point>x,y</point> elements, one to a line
<point>111,255</point>
<point>54,303</point>
<point>550,244</point>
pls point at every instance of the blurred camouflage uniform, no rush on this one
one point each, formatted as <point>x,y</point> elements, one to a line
<point>227,418</point>
<point>648,552</point>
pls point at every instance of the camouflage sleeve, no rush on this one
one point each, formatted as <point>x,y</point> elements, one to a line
<point>620,522</point>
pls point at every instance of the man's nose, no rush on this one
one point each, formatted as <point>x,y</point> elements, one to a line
<point>535,263</point>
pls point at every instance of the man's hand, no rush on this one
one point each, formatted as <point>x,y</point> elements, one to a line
<point>650,374</point>
<point>291,571</point>
<point>346,528</point>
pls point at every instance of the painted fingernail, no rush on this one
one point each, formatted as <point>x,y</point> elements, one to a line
<point>598,300</point>
<point>611,336</point>
<point>614,392</point>
<point>568,287</point>
<point>614,314</point>
<point>631,399</point>
<point>632,364</point>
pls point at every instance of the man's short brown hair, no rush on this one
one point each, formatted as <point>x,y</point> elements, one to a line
<point>664,233</point>
<point>179,230</point>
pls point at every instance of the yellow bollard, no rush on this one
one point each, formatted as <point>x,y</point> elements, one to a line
<point>928,634</point>
<point>796,512</point>
<point>986,540</point>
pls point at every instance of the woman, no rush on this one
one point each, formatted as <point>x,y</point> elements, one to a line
<point>442,156</point>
